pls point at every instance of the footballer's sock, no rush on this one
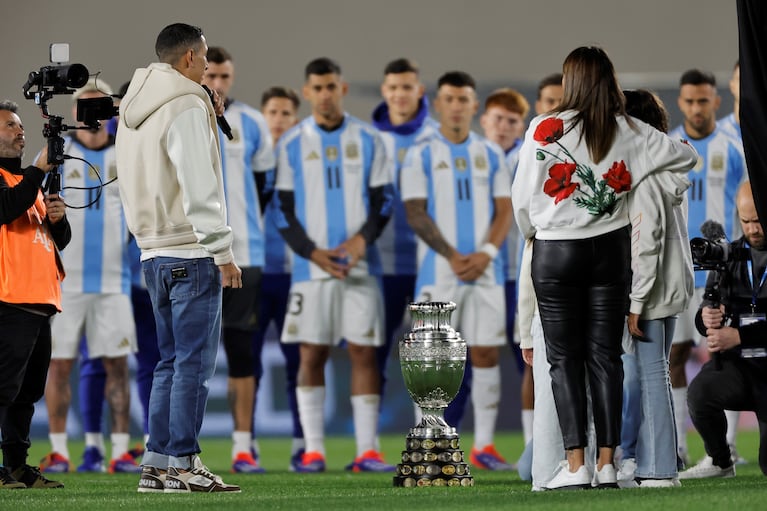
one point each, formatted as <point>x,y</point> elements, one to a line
<point>311,408</point>
<point>365,411</point>
<point>485,396</point>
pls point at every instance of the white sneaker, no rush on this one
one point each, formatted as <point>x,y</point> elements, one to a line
<point>627,469</point>
<point>659,483</point>
<point>566,480</point>
<point>706,469</point>
<point>606,477</point>
<point>196,479</point>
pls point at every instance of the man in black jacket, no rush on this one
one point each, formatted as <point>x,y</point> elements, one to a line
<point>736,377</point>
<point>33,228</point>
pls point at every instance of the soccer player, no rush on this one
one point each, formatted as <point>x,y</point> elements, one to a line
<point>95,298</point>
<point>334,192</point>
<point>246,160</point>
<point>503,122</point>
<point>403,119</point>
<point>279,105</point>
<point>714,181</point>
<point>456,188</point>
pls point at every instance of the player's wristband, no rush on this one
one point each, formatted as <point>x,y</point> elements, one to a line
<point>489,249</point>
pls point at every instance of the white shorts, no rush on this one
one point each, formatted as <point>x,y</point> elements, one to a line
<point>326,311</point>
<point>480,311</point>
<point>105,319</point>
<point>685,330</point>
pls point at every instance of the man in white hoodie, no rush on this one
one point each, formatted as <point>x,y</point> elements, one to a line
<point>169,169</point>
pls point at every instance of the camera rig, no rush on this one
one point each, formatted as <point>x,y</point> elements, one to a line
<point>712,253</point>
<point>41,86</point>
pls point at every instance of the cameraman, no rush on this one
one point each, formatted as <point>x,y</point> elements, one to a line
<point>736,377</point>
<point>32,229</point>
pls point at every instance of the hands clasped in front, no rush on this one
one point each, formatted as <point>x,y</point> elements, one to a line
<point>469,267</point>
<point>340,260</point>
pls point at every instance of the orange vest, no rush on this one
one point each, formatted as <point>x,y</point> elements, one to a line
<point>30,267</point>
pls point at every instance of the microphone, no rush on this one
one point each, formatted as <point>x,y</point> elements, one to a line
<point>712,231</point>
<point>220,119</point>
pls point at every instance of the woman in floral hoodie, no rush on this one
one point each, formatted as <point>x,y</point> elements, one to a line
<point>576,166</point>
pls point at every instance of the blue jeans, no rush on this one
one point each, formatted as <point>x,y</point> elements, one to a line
<point>656,445</point>
<point>186,301</point>
<point>632,406</point>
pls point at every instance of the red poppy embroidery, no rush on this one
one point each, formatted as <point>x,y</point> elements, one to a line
<point>567,176</point>
<point>560,185</point>
<point>549,131</point>
<point>618,178</point>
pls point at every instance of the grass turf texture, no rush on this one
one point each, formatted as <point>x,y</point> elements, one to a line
<point>339,490</point>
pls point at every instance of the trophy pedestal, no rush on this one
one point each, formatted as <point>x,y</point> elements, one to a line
<point>433,457</point>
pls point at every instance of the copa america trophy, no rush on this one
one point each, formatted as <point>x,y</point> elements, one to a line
<point>433,357</point>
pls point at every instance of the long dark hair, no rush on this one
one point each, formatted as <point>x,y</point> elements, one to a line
<point>591,89</point>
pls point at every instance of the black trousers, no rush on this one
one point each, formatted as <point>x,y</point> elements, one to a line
<point>25,353</point>
<point>582,288</point>
<point>738,385</point>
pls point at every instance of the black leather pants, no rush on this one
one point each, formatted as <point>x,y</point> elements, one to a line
<point>582,289</point>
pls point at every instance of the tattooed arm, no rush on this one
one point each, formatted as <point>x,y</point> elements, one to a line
<point>427,230</point>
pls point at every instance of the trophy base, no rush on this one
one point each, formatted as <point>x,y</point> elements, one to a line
<point>432,457</point>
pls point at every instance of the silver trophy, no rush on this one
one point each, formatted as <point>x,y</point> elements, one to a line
<point>433,357</point>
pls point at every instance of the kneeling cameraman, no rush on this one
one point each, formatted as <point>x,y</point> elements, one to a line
<point>736,377</point>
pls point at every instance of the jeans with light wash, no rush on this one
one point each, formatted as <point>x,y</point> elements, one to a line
<point>186,300</point>
<point>656,444</point>
<point>632,406</point>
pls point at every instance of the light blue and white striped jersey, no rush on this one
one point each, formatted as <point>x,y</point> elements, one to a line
<point>459,183</point>
<point>511,250</point>
<point>715,179</point>
<point>97,258</point>
<point>249,151</point>
<point>731,127</point>
<point>397,243</point>
<point>330,174</point>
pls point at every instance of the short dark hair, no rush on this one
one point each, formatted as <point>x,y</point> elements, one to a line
<point>548,81</point>
<point>322,66</point>
<point>697,77</point>
<point>647,107</point>
<point>401,65</point>
<point>174,40</point>
<point>218,55</point>
<point>457,79</point>
<point>280,92</point>
<point>9,105</point>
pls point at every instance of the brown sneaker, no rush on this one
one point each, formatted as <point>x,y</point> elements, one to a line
<point>32,478</point>
<point>152,480</point>
<point>8,482</point>
<point>196,479</point>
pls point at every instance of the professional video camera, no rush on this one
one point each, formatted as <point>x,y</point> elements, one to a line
<point>714,251</point>
<point>63,78</point>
